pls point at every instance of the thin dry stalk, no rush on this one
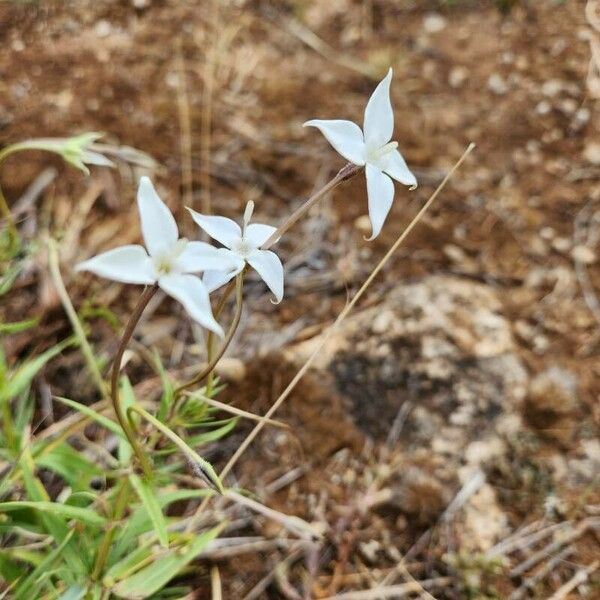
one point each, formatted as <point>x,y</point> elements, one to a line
<point>235,411</point>
<point>252,435</point>
<point>580,577</point>
<point>185,129</point>
<point>393,591</point>
<point>215,583</point>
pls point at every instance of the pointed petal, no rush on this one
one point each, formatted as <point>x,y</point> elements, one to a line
<point>222,229</point>
<point>258,234</point>
<point>395,166</point>
<point>345,136</point>
<point>380,189</point>
<point>199,256</point>
<point>127,264</point>
<point>379,117</point>
<point>269,267</point>
<point>213,280</point>
<point>191,292</point>
<point>158,225</point>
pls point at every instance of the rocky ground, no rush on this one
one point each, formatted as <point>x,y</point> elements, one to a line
<point>453,420</point>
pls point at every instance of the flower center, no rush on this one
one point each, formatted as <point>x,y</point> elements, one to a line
<point>165,262</point>
<point>376,154</point>
<point>242,247</point>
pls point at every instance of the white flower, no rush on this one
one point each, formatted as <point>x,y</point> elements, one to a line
<point>242,246</point>
<point>168,261</point>
<point>372,149</point>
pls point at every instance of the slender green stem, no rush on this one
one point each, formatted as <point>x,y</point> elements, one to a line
<point>346,172</point>
<point>239,285</point>
<point>204,467</point>
<point>114,383</point>
<point>86,349</point>
<point>105,544</point>
<point>210,338</point>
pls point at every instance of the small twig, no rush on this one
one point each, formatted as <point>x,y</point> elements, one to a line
<point>215,583</point>
<point>393,591</point>
<point>235,411</point>
<point>295,525</point>
<point>580,577</point>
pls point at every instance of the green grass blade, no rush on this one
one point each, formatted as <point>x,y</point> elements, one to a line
<point>92,414</point>
<point>155,576</point>
<point>146,495</point>
<point>55,508</point>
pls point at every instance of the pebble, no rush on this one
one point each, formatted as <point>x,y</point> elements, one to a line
<point>433,23</point>
<point>584,255</point>
<point>497,85</point>
<point>591,153</point>
<point>458,76</point>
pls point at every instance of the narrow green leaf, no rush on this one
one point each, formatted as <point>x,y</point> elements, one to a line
<point>146,495</point>
<point>55,508</point>
<point>166,566</point>
<point>18,326</point>
<point>92,414</point>
<point>71,465</point>
<point>30,586</point>
<point>20,379</point>
<point>127,396</point>
<point>76,592</point>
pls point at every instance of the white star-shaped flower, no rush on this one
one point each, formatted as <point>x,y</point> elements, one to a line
<point>242,245</point>
<point>167,260</point>
<point>373,149</point>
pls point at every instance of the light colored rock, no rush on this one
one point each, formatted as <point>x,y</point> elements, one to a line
<point>591,153</point>
<point>434,22</point>
<point>497,84</point>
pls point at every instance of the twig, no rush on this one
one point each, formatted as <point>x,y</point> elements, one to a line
<point>252,435</point>
<point>235,411</point>
<point>393,591</point>
<point>215,583</point>
<point>580,577</point>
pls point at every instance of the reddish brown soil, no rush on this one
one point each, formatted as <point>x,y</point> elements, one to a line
<point>514,84</point>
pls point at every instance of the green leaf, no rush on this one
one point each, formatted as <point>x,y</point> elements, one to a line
<point>19,380</point>
<point>29,588</point>
<point>55,508</point>
<point>92,414</point>
<point>139,522</point>
<point>71,465</point>
<point>146,495</point>
<point>167,386</point>
<point>167,565</point>
<point>18,326</point>
<point>127,396</point>
<point>76,592</point>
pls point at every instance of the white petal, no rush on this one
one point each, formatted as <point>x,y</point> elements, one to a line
<point>191,292</point>
<point>395,166</point>
<point>379,117</point>
<point>222,229</point>
<point>269,267</point>
<point>199,256</point>
<point>345,136</point>
<point>380,189</point>
<point>213,280</point>
<point>258,234</point>
<point>158,225</point>
<point>128,264</point>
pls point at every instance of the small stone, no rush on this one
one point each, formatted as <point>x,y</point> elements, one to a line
<point>231,369</point>
<point>552,88</point>
<point>103,28</point>
<point>543,108</point>
<point>561,244</point>
<point>433,23</point>
<point>497,84</point>
<point>458,76</point>
<point>584,255</point>
<point>591,153</point>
